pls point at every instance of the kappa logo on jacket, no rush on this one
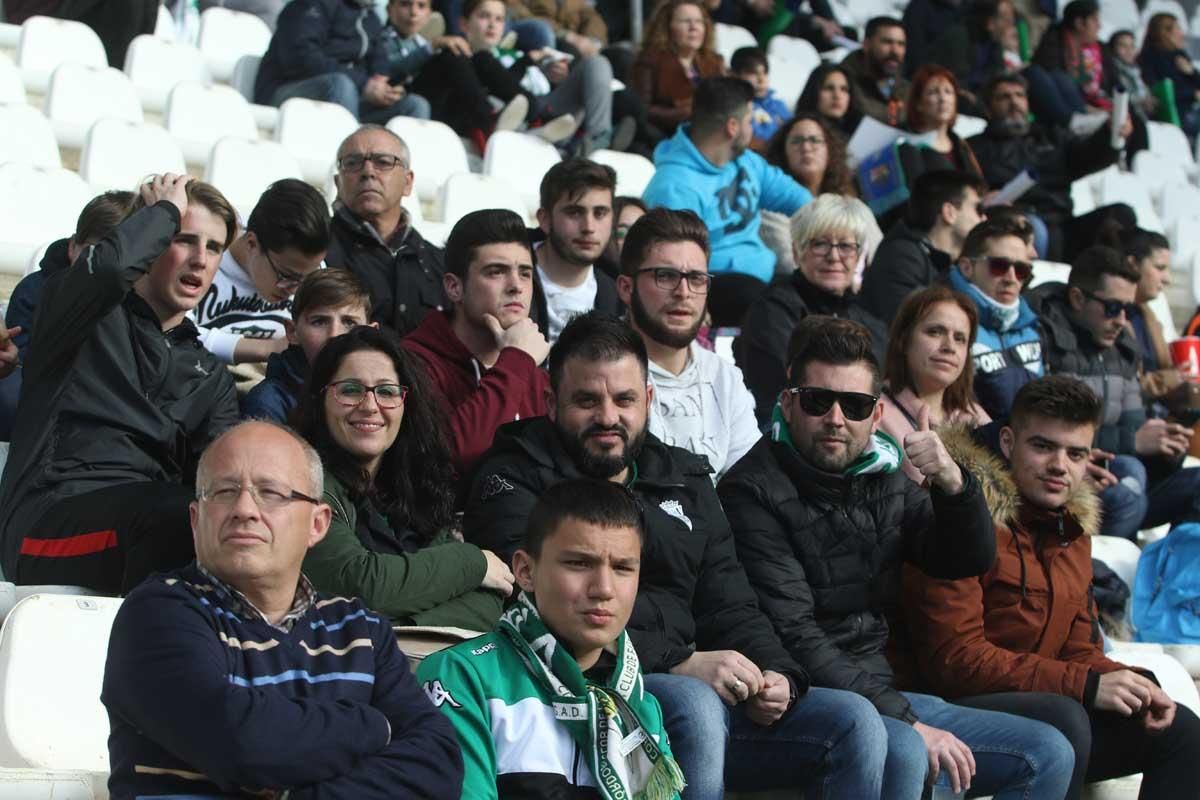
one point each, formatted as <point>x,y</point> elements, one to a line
<point>438,695</point>
<point>495,485</point>
<point>675,509</point>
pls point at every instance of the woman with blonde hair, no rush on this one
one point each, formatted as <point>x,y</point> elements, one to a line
<point>928,368</point>
<point>678,51</point>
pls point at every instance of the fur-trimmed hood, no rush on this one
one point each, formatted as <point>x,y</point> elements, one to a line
<point>995,478</point>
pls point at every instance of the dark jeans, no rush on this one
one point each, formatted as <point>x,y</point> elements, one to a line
<point>109,540</point>
<point>456,95</point>
<point>1125,502</point>
<point>1108,745</point>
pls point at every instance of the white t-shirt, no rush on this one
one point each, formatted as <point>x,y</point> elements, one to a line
<point>565,303</point>
<point>232,305</point>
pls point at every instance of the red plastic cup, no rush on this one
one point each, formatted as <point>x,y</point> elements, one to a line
<point>1185,353</point>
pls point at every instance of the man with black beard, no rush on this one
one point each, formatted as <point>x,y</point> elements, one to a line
<point>733,700</point>
<point>576,217</point>
<point>1011,144</point>
<point>701,402</point>
<point>880,89</point>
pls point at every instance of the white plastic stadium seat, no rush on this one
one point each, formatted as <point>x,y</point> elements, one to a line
<point>1120,554</point>
<point>1083,196</point>
<point>10,35</point>
<point>967,126</point>
<point>226,36</point>
<point>797,52</point>
<point>730,38</point>
<point>52,652</point>
<point>80,96</point>
<point>244,74</point>
<point>520,160</point>
<point>243,168</point>
<point>633,171</point>
<point>12,88</point>
<point>436,151</point>
<point>311,131</point>
<point>787,79</point>
<point>1124,187</point>
<point>1114,15</point>
<point>120,155</point>
<point>199,115</point>
<point>47,42</point>
<point>164,27</point>
<point>1163,7</point>
<point>31,266</point>
<point>1049,272</point>
<point>36,205</point>
<point>27,137</point>
<point>1170,142</point>
<point>155,65</point>
<point>467,192</point>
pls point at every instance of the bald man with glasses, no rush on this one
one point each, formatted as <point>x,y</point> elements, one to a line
<point>373,235</point>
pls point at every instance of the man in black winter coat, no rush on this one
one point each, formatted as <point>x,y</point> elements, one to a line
<point>701,639</point>
<point>824,520</point>
<point>373,235</point>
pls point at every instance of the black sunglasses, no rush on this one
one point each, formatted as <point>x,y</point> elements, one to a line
<point>815,402</point>
<point>1000,266</point>
<point>1112,308</point>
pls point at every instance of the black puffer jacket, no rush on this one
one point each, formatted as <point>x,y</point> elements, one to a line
<point>405,278</point>
<point>824,553</point>
<point>904,263</point>
<point>761,349</point>
<point>693,594</point>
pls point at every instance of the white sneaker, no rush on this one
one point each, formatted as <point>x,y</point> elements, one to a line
<point>557,129</point>
<point>513,114</point>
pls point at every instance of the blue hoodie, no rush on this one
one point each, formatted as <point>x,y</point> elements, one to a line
<point>728,199</point>
<point>1006,355</point>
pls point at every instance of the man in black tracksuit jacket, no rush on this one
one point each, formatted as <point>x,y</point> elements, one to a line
<point>119,400</point>
<point>695,614</point>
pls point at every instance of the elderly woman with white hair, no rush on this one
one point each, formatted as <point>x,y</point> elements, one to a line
<point>829,238</point>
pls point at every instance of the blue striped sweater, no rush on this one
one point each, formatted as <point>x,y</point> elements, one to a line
<point>205,699</point>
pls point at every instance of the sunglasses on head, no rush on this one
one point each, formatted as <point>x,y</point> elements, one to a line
<point>1112,308</point>
<point>999,267</point>
<point>815,402</point>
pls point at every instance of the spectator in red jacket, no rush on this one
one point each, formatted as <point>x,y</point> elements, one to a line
<point>483,354</point>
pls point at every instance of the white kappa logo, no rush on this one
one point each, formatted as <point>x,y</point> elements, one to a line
<point>675,509</point>
<point>438,695</point>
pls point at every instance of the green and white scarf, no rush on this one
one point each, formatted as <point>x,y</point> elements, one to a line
<point>603,720</point>
<point>882,453</point>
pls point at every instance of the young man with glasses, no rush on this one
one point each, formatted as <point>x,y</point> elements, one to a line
<point>824,519</point>
<point>373,235</point>
<point>484,353</point>
<point>736,706</point>
<point>1087,336</point>
<point>233,676</point>
<point>700,400</point>
<point>250,298</point>
<point>992,271</point>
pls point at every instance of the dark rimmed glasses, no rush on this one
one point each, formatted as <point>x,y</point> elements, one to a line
<point>668,278</point>
<point>352,393</point>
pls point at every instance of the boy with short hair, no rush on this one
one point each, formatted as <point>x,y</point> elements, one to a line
<point>769,112</point>
<point>555,693</point>
<point>328,303</point>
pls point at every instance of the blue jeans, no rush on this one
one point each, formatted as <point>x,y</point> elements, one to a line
<point>1125,503</point>
<point>532,34</point>
<point>831,743</point>
<point>1015,757</point>
<point>337,87</point>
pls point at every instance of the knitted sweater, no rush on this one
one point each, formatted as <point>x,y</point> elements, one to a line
<point>206,698</point>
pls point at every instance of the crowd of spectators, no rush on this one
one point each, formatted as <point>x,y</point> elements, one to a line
<point>853,560</point>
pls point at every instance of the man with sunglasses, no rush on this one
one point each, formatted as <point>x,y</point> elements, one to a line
<point>373,235</point>
<point>1087,337</point>
<point>824,520</point>
<point>250,298</point>
<point>233,677</point>
<point>701,402</point>
<point>991,271</point>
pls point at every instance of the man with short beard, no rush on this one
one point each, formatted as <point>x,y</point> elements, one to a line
<point>701,402</point>
<point>737,708</point>
<point>1012,144</point>
<point>875,69</point>
<point>576,217</point>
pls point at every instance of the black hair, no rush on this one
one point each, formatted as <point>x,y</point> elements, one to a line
<point>875,24</point>
<point>1000,79</point>
<point>570,178</point>
<point>810,98</point>
<point>934,189</point>
<point>414,486</point>
<point>660,225</point>
<point>598,502</point>
<point>994,228</point>
<point>291,214</point>
<point>1093,263</point>
<point>1056,397</point>
<point>1139,243</point>
<point>1077,10</point>
<point>746,59</point>
<point>595,336</point>
<point>480,228</point>
<point>830,340</point>
<point>101,214</point>
<point>718,100</point>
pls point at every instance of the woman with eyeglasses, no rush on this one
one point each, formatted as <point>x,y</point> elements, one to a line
<point>928,368</point>
<point>812,153</point>
<point>828,237</point>
<point>370,412</point>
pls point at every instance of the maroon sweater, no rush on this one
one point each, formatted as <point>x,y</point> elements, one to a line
<point>478,400</point>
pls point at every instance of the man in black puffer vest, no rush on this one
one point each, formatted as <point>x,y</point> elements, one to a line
<point>823,521</point>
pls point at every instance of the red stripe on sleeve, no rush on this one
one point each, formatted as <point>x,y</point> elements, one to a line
<point>82,545</point>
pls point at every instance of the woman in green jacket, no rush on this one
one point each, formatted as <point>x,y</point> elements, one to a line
<point>370,412</point>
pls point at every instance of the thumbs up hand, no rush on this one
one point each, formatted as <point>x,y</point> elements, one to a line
<point>924,448</point>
